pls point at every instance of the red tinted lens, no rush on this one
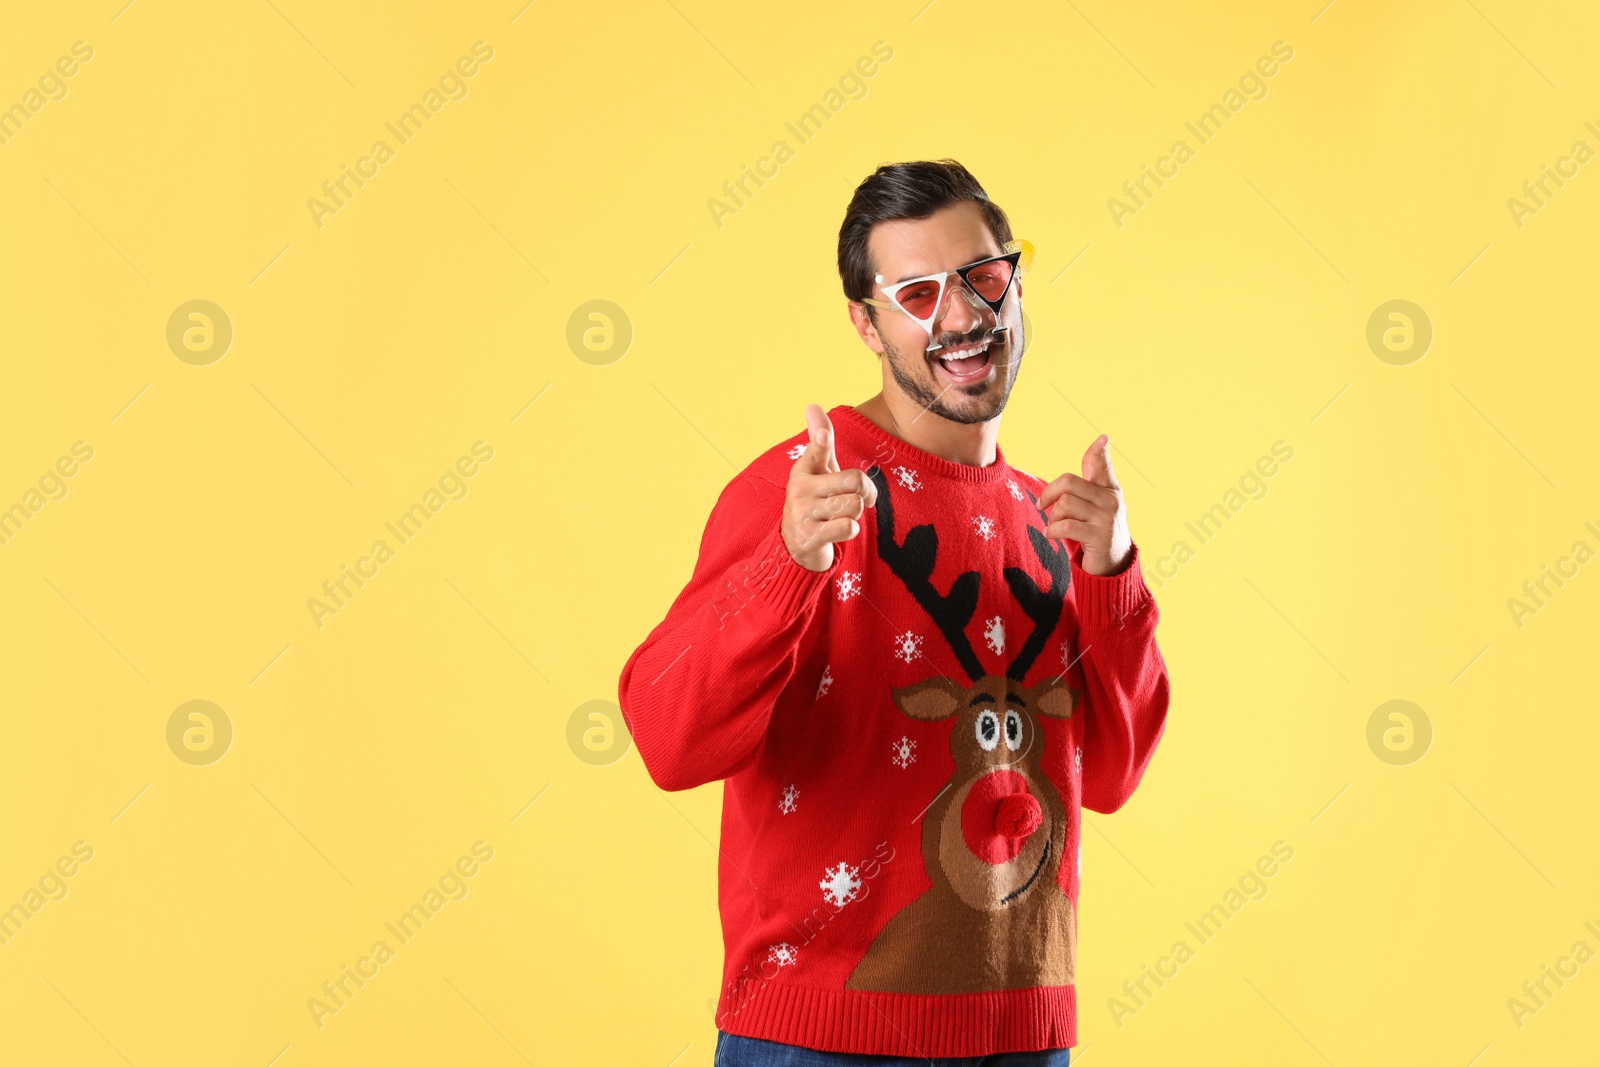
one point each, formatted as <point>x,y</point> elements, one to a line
<point>919,298</point>
<point>990,280</point>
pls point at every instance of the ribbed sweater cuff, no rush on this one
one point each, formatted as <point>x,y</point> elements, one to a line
<point>1111,600</point>
<point>782,584</point>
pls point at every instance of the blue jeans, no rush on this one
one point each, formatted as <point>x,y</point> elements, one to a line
<point>736,1051</point>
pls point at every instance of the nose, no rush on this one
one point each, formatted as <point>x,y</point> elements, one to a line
<point>1018,815</point>
<point>999,815</point>
<point>963,310</point>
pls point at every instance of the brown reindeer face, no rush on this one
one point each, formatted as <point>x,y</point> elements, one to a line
<point>998,823</point>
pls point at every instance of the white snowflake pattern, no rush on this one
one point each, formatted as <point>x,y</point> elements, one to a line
<point>907,478</point>
<point>841,886</point>
<point>848,584</point>
<point>787,801</point>
<point>994,634</point>
<point>825,682</point>
<point>783,953</point>
<point>1066,652</point>
<point>1015,492</point>
<point>908,646</point>
<point>797,451</point>
<point>983,526</point>
<point>905,753</point>
<point>1077,759</point>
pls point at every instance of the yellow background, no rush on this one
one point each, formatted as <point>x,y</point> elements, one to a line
<point>368,354</point>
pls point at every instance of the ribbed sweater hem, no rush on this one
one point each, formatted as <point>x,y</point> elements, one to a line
<point>903,1024</point>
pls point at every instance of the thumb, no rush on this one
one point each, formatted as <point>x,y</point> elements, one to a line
<point>1097,463</point>
<point>818,458</point>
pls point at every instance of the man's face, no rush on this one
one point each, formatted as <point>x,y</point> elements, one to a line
<point>975,387</point>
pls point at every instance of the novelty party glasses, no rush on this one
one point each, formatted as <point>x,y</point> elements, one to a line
<point>925,298</point>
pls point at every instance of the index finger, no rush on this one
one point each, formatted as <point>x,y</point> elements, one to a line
<point>1055,489</point>
<point>818,457</point>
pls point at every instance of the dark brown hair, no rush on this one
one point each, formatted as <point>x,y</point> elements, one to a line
<point>905,191</point>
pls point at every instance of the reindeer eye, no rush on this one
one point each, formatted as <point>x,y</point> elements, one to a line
<point>988,730</point>
<point>1013,730</point>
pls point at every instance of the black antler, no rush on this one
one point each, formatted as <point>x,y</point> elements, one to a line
<point>913,563</point>
<point>1043,606</point>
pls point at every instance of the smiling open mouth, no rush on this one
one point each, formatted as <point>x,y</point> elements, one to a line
<point>964,364</point>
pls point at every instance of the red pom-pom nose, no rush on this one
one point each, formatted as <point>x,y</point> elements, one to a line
<point>1017,815</point>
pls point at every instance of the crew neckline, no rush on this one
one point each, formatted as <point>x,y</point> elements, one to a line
<point>927,462</point>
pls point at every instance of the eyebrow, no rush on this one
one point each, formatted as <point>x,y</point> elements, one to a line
<point>966,263</point>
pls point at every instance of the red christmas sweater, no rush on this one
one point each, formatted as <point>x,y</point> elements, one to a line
<point>906,739</point>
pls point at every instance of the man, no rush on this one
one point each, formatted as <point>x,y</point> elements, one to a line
<point>912,663</point>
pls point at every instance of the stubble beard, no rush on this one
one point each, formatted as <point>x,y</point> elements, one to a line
<point>919,381</point>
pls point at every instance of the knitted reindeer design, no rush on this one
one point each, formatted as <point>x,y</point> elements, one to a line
<point>993,839</point>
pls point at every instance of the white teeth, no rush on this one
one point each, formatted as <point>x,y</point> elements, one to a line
<point>963,353</point>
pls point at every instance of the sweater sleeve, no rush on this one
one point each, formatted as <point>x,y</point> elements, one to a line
<point>698,694</point>
<point>1128,690</point>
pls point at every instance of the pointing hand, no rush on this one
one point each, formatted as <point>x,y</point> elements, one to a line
<point>1090,511</point>
<point>822,504</point>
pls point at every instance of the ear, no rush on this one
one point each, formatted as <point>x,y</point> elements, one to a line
<point>862,321</point>
<point>1056,699</point>
<point>930,699</point>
